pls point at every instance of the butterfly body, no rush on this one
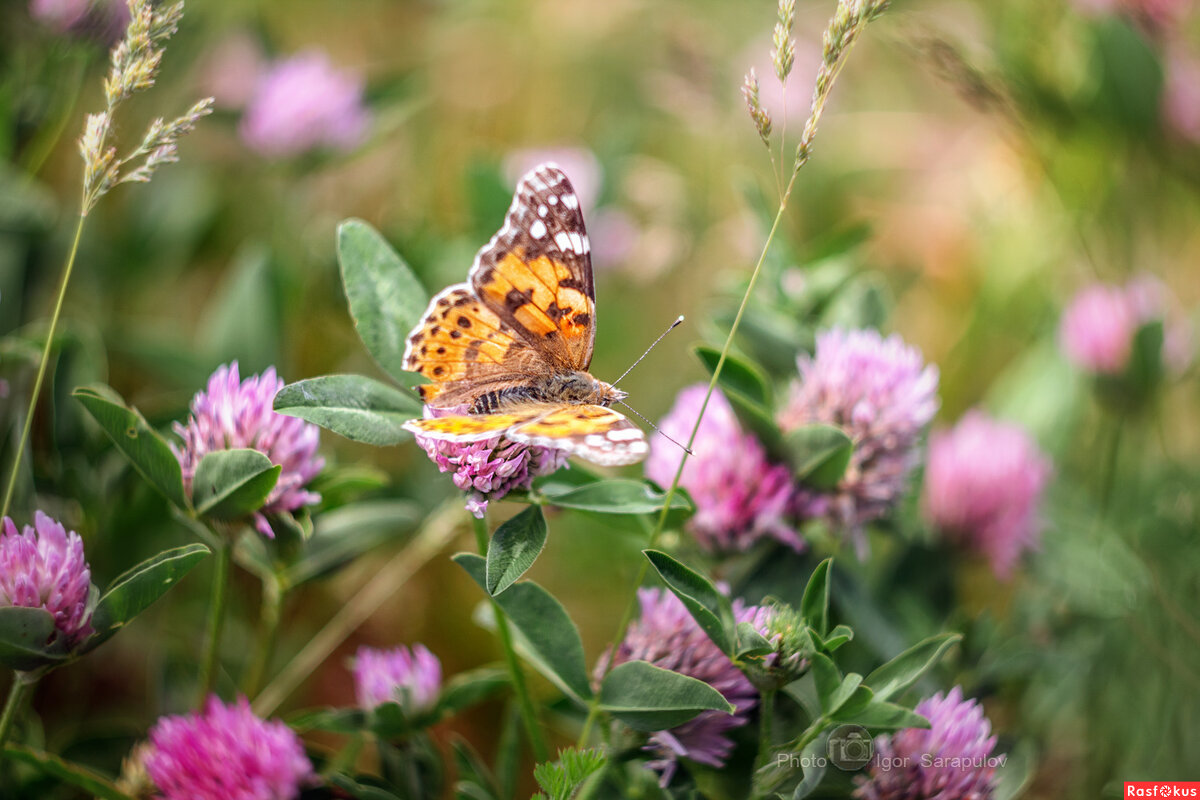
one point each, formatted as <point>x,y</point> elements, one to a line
<point>508,351</point>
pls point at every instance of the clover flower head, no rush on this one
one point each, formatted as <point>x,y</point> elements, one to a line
<point>412,678</point>
<point>490,468</point>
<point>1098,327</point>
<point>232,414</point>
<point>741,497</point>
<point>667,636</point>
<point>883,395</point>
<point>304,103</point>
<point>951,760</point>
<point>43,567</point>
<point>983,482</point>
<point>226,753</point>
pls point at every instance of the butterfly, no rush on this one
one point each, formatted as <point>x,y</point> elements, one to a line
<point>513,344</point>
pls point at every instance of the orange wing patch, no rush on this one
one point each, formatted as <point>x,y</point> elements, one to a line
<point>459,339</point>
<point>541,296</point>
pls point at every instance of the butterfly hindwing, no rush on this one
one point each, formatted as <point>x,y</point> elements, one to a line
<point>467,427</point>
<point>536,272</point>
<point>594,433</point>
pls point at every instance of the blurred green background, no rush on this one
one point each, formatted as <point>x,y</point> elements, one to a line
<point>979,162</point>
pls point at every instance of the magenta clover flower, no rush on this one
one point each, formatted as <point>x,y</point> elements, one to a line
<point>304,103</point>
<point>740,496</point>
<point>412,678</point>
<point>491,468</point>
<point>983,482</point>
<point>43,566</point>
<point>1098,327</point>
<point>883,395</point>
<point>233,414</point>
<point>226,753</point>
<point>667,636</point>
<point>951,760</point>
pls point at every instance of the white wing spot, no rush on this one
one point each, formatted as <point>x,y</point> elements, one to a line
<point>543,211</point>
<point>538,229</point>
<point>594,440</point>
<point>625,435</point>
<point>552,199</point>
<point>570,201</point>
<point>563,240</point>
<point>576,243</point>
<point>587,245</point>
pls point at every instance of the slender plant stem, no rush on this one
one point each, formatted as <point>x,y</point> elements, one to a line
<point>1111,459</point>
<point>216,618</point>
<point>440,527</point>
<point>627,616</point>
<point>16,693</point>
<point>41,373</point>
<point>528,715</point>
<point>765,720</point>
<point>272,603</point>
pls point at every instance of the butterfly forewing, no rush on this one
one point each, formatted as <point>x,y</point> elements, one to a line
<point>536,273</point>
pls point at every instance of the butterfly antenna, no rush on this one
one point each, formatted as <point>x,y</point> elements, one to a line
<point>651,424</point>
<point>670,328</point>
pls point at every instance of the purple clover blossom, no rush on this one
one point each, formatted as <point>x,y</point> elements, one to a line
<point>667,636</point>
<point>304,103</point>
<point>233,414</point>
<point>412,678</point>
<point>226,753</point>
<point>951,760</point>
<point>490,468</point>
<point>983,481</point>
<point>740,496</point>
<point>59,14</point>
<point>1098,327</point>
<point>44,567</point>
<point>883,395</point>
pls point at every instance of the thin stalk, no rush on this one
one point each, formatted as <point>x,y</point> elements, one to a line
<point>16,693</point>
<point>765,720</point>
<point>216,619</point>
<point>528,715</point>
<point>272,603</point>
<point>1111,459</point>
<point>41,373</point>
<point>627,616</point>
<point>438,531</point>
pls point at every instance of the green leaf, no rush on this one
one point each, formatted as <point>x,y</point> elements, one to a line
<point>514,547</point>
<point>712,610</point>
<point>826,677</point>
<point>136,589</point>
<point>229,484</point>
<point>814,607</point>
<point>141,444</point>
<point>819,454</point>
<point>838,697</point>
<point>617,496</point>
<point>814,756</point>
<point>750,643</point>
<point>881,715</point>
<point>354,406</point>
<point>386,299</point>
<point>838,637</point>
<point>91,782</point>
<point>649,698</point>
<point>906,669</point>
<point>333,720</point>
<point>550,639</point>
<point>26,636</point>
<point>360,791</point>
<point>737,376</point>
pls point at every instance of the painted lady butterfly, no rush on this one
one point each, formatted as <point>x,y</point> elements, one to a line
<point>512,345</point>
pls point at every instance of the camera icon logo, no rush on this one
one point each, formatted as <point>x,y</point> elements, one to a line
<point>850,747</point>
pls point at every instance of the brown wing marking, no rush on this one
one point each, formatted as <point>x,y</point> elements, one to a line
<point>536,272</point>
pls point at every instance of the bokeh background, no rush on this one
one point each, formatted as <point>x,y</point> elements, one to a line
<point>978,164</point>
